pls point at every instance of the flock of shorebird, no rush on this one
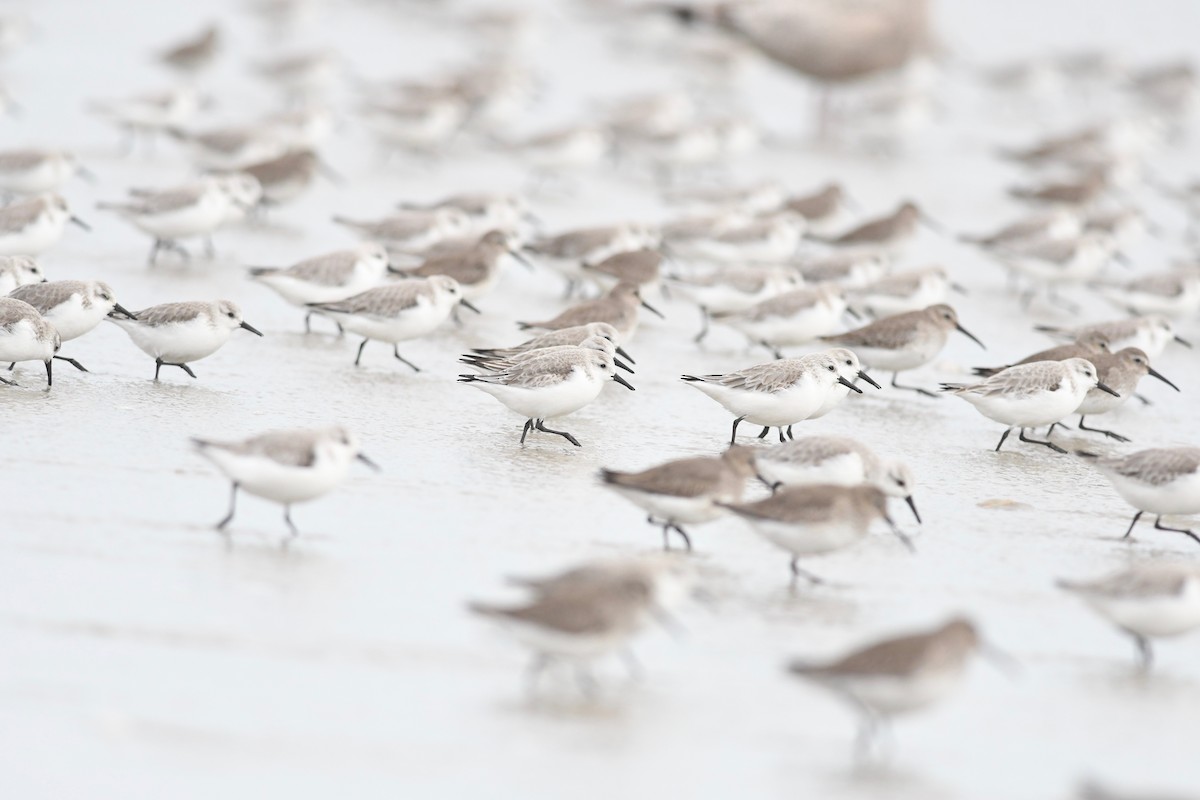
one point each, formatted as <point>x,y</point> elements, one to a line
<point>783,270</point>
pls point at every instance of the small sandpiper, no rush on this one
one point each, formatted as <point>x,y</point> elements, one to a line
<point>26,336</point>
<point>72,307</point>
<point>903,341</point>
<point>1161,481</point>
<point>176,334</point>
<point>687,491</point>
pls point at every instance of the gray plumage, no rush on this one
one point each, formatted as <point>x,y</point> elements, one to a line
<point>384,301</point>
<point>1156,467</point>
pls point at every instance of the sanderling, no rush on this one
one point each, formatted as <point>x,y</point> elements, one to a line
<point>795,317</point>
<point>476,268</point>
<point>768,239</point>
<point>686,491</point>
<point>896,675</point>
<point>1032,395</point>
<point>1054,262</point>
<point>194,53</point>
<point>1175,293</point>
<point>1150,334</point>
<point>1126,225</point>
<point>410,231</point>
<point>618,308</point>
<point>18,271</point>
<point>396,312</point>
<point>326,278</point>
<point>586,614</point>
<point>899,292</point>
<point>557,382</point>
<point>567,252</point>
<point>72,307</point>
<point>147,114</point>
<point>600,342</point>
<point>285,177</point>
<point>1120,370</point>
<point>31,226</point>
<point>565,148</point>
<point>196,209</point>
<point>849,269</point>
<point>484,211</point>
<point>1161,481</point>
<point>176,334</point>
<point>1089,345</point>
<point>1057,223</point>
<point>36,171</point>
<point>558,338</point>
<point>821,208</point>
<point>782,393</point>
<point>903,341</point>
<point>285,467</point>
<point>1072,193</point>
<point>836,460</point>
<point>1147,601</point>
<point>641,267</point>
<point>732,289</point>
<point>25,336</point>
<point>812,520</point>
<point>230,148</point>
<point>890,233</point>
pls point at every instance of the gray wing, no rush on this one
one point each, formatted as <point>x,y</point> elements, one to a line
<point>1146,581</point>
<point>537,372</point>
<point>332,269</point>
<point>289,448</point>
<point>770,378</point>
<point>811,504</point>
<point>170,200</point>
<point>1158,466</point>
<point>13,311</point>
<point>15,160</point>
<point>815,450</point>
<point>45,296</point>
<point>1020,380</point>
<point>170,313</point>
<point>382,301</point>
<point>889,333</point>
<point>19,215</point>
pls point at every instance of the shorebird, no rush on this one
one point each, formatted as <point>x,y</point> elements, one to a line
<point>326,278</point>
<point>72,307</point>
<point>1121,371</point>
<point>1147,601</point>
<point>285,467</point>
<point>476,268</point>
<point>903,341</point>
<point>850,269</point>
<point>484,211</point>
<point>795,317</point>
<point>818,519</point>
<point>194,53</point>
<point>600,342</point>
<point>195,209</point>
<point>1032,395</point>
<point>26,336</point>
<point>31,171</point>
<point>1161,481</point>
<point>18,271</point>
<point>1175,293</point>
<point>618,308</point>
<point>410,231</point>
<point>890,233</point>
<point>556,382</point>
<point>782,393</point>
<point>396,312</point>
<point>176,334</point>
<point>567,252</point>
<point>285,177</point>
<point>821,208</point>
<point>30,227</point>
<point>687,491</point>
<point>1150,334</point>
<point>1055,223</point>
<point>1091,344</point>
<point>1077,193</point>
<point>910,290</point>
<point>640,267</point>
<point>728,290</point>
<point>835,460</point>
<point>896,675</point>
<point>230,148</point>
<point>557,338</point>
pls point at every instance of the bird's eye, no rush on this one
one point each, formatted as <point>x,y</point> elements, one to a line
<point>230,314</point>
<point>831,369</point>
<point>901,484</point>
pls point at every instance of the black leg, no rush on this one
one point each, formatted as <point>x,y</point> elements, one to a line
<point>525,431</point>
<point>153,259</point>
<point>1145,652</point>
<point>1002,438</point>
<point>49,372</point>
<point>73,363</point>
<point>733,436</point>
<point>293,532</point>
<point>1159,526</point>
<point>541,426</point>
<point>1145,400</point>
<point>781,438</point>
<point>775,351</point>
<point>308,322</point>
<point>790,432</point>
<point>1136,517</point>
<point>7,382</point>
<point>666,529</point>
<point>764,433</point>
<point>183,367</point>
<point>402,359</point>
<point>1046,443</point>
<point>686,539</point>
<point>895,385</point>
<point>210,250</point>
<point>158,362</point>
<point>799,573</point>
<point>232,505</point>
<point>1109,434</point>
<point>358,357</point>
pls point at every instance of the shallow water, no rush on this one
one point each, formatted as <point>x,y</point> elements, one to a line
<point>141,658</point>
